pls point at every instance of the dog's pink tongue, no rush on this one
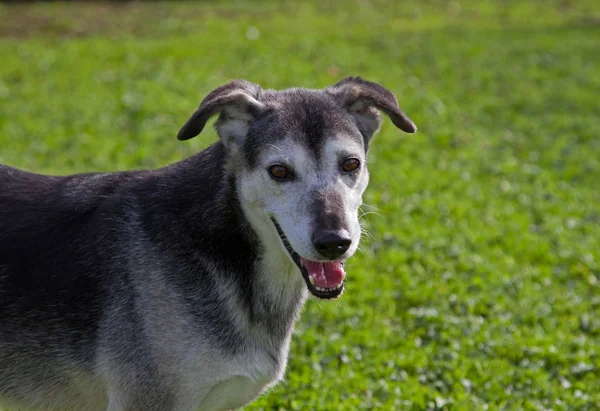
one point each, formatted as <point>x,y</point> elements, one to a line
<point>326,275</point>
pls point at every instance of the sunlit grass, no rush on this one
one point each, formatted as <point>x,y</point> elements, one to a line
<point>481,283</point>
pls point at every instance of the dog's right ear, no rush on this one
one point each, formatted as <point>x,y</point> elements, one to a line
<point>237,102</point>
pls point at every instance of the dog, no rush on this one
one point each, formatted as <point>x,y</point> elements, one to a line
<point>178,288</point>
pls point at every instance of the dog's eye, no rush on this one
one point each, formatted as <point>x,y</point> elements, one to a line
<point>279,172</point>
<point>351,164</point>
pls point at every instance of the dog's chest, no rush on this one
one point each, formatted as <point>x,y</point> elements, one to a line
<point>239,379</point>
<point>233,393</point>
<point>225,378</point>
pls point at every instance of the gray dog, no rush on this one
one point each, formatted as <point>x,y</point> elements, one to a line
<point>178,288</point>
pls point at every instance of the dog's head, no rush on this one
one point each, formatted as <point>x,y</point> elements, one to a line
<point>299,157</point>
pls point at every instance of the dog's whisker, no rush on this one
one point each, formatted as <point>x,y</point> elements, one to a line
<point>367,213</point>
<point>274,146</point>
<point>371,206</point>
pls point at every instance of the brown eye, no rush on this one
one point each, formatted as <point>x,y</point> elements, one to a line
<point>279,172</point>
<point>350,165</point>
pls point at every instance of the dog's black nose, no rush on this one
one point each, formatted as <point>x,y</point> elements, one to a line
<point>332,244</point>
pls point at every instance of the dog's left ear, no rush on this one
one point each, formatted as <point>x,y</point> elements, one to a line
<point>238,104</point>
<point>363,99</point>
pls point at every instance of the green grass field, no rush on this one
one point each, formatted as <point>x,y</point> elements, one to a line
<point>480,287</point>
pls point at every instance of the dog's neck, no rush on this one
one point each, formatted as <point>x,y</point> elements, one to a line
<point>202,222</point>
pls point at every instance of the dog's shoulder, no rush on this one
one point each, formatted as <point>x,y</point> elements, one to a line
<point>52,196</point>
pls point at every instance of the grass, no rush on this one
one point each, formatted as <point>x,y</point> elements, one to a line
<point>480,288</point>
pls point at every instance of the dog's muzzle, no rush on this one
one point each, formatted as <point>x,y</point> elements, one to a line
<point>324,279</point>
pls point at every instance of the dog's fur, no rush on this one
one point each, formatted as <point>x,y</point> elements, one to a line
<point>171,289</point>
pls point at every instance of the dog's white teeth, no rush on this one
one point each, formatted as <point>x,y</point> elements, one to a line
<point>326,289</point>
<point>312,281</point>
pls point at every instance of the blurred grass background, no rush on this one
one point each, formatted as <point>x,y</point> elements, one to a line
<point>480,288</point>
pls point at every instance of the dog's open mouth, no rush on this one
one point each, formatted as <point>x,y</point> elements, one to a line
<point>324,279</point>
